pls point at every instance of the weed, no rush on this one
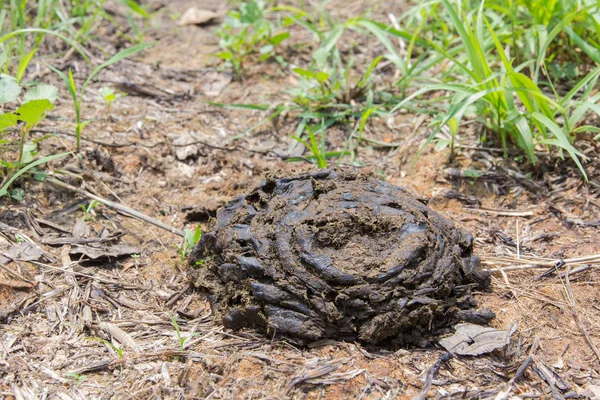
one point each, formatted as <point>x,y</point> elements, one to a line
<point>190,239</point>
<point>247,32</point>
<point>508,102</point>
<point>77,377</point>
<point>181,339</point>
<point>109,344</point>
<point>88,212</point>
<point>316,147</point>
<point>77,95</point>
<point>109,95</point>
<point>36,103</point>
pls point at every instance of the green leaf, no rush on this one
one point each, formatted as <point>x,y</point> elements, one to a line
<point>4,189</point>
<point>323,52</point>
<point>9,89</point>
<point>590,50</point>
<point>29,151</point>
<point>197,234</point>
<point>135,7</point>
<point>33,111</point>
<point>67,82</point>
<point>382,35</point>
<point>72,43</point>
<point>266,49</point>
<point>225,55</point>
<point>17,194</point>
<point>41,91</point>
<point>560,140</point>
<point>304,73</point>
<point>277,39</point>
<point>8,121</point>
<point>24,64</point>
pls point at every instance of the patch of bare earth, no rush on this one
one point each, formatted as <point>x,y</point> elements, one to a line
<point>167,153</point>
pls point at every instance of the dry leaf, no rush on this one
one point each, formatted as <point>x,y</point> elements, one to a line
<point>473,340</point>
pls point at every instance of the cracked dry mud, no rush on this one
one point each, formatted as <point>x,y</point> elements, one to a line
<point>336,254</point>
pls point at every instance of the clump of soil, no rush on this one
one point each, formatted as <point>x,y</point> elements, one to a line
<point>336,254</point>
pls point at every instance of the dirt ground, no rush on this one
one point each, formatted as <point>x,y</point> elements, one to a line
<point>167,153</point>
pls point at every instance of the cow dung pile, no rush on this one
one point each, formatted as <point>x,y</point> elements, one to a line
<point>335,254</point>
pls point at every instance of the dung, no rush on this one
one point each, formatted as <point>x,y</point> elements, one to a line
<point>335,254</point>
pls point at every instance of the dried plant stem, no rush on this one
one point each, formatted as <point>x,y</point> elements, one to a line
<point>582,328</point>
<point>118,207</point>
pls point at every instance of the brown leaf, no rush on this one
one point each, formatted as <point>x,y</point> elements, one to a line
<point>473,340</point>
<point>104,251</point>
<point>25,251</point>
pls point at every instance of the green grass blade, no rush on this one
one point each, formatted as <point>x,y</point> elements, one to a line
<point>560,140</point>
<point>116,58</point>
<point>49,32</point>
<point>387,43</point>
<point>4,189</point>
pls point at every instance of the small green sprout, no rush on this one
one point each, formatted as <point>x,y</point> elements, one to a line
<point>88,212</point>
<point>181,339</point>
<point>190,239</point>
<point>109,95</point>
<point>108,344</point>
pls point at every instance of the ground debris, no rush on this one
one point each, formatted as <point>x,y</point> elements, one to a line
<point>101,252</point>
<point>474,340</point>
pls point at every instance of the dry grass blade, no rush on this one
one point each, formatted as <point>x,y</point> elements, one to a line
<point>118,207</point>
<point>107,364</point>
<point>576,316</point>
<point>119,334</point>
<point>529,262</point>
<point>498,211</point>
<point>313,373</point>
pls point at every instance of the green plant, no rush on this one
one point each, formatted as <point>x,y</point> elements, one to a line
<point>136,10</point>
<point>77,96</point>
<point>189,240</point>
<point>88,212</point>
<point>180,338</point>
<point>37,101</point>
<point>109,95</point>
<point>508,102</point>
<point>109,344</point>
<point>247,32</point>
<point>77,377</point>
<point>318,152</point>
<point>332,86</point>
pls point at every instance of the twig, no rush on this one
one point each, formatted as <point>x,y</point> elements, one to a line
<point>575,270</point>
<point>497,211</point>
<point>120,361</point>
<point>119,207</point>
<point>582,328</point>
<point>431,374</point>
<point>503,394</point>
<point>532,263</point>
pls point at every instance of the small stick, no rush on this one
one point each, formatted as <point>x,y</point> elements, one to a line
<point>503,394</point>
<point>575,271</point>
<point>430,376</point>
<point>518,240</point>
<point>582,328</point>
<point>498,211</point>
<point>119,207</point>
